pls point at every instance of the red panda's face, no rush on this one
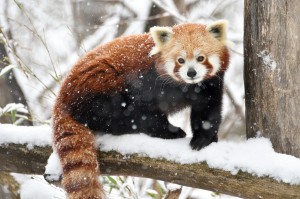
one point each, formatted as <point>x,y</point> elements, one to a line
<point>190,53</point>
<point>191,66</point>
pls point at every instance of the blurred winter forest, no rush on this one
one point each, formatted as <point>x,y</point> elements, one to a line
<point>41,40</point>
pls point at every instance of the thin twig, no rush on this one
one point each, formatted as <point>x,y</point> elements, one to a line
<point>237,107</point>
<point>175,14</point>
<point>219,6</point>
<point>43,40</point>
<point>11,50</point>
<point>236,52</point>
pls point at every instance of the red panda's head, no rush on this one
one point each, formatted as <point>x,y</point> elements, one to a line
<point>190,53</point>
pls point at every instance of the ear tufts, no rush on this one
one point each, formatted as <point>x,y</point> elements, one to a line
<point>160,35</point>
<point>218,30</point>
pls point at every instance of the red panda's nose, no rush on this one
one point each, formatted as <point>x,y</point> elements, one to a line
<point>191,73</point>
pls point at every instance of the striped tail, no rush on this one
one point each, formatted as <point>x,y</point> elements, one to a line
<point>75,145</point>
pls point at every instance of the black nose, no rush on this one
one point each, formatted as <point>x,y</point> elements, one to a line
<point>191,73</point>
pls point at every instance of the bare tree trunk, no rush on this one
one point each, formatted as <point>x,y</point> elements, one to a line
<point>272,74</point>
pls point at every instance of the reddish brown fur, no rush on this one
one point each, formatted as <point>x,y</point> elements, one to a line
<point>103,70</point>
<point>186,38</point>
<point>75,143</point>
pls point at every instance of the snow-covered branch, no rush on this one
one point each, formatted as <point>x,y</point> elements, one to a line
<point>23,159</point>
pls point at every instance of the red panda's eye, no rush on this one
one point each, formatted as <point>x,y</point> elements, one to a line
<point>200,58</point>
<point>181,60</point>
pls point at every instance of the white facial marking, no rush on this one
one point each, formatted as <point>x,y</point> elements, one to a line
<point>196,53</point>
<point>214,60</point>
<point>170,65</point>
<point>200,69</point>
<point>183,54</point>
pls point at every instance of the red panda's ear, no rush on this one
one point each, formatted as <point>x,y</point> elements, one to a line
<point>218,30</point>
<point>160,36</point>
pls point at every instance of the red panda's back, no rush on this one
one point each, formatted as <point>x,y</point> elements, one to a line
<point>126,54</point>
<point>104,69</point>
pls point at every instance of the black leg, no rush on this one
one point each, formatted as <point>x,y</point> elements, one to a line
<point>157,125</point>
<point>205,123</point>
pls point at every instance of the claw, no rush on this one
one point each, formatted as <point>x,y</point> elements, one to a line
<point>200,142</point>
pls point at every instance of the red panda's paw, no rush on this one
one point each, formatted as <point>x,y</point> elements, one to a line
<point>199,142</point>
<point>178,134</point>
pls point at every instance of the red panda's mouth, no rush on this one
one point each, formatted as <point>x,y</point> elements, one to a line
<point>193,80</point>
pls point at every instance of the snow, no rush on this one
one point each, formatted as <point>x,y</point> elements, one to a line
<point>7,68</point>
<point>173,187</point>
<point>13,107</point>
<point>255,156</point>
<point>53,168</point>
<point>267,59</point>
<point>33,186</point>
<point>17,111</point>
<point>30,135</point>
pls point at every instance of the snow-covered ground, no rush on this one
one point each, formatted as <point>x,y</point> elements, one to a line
<point>255,156</point>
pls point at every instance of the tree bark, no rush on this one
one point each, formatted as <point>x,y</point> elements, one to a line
<point>18,158</point>
<point>272,83</point>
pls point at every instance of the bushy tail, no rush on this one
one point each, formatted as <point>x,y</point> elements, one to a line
<point>75,145</point>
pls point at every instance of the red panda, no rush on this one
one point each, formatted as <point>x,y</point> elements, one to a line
<point>132,84</point>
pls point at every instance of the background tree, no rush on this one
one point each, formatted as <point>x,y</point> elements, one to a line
<point>272,83</point>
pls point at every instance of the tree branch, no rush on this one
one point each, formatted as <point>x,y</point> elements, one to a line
<point>18,158</point>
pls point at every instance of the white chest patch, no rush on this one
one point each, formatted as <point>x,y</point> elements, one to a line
<point>182,119</point>
<point>214,60</point>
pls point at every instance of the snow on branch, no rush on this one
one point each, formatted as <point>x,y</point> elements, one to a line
<point>18,157</point>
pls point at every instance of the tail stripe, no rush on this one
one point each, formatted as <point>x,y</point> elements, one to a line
<point>64,135</point>
<point>77,165</point>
